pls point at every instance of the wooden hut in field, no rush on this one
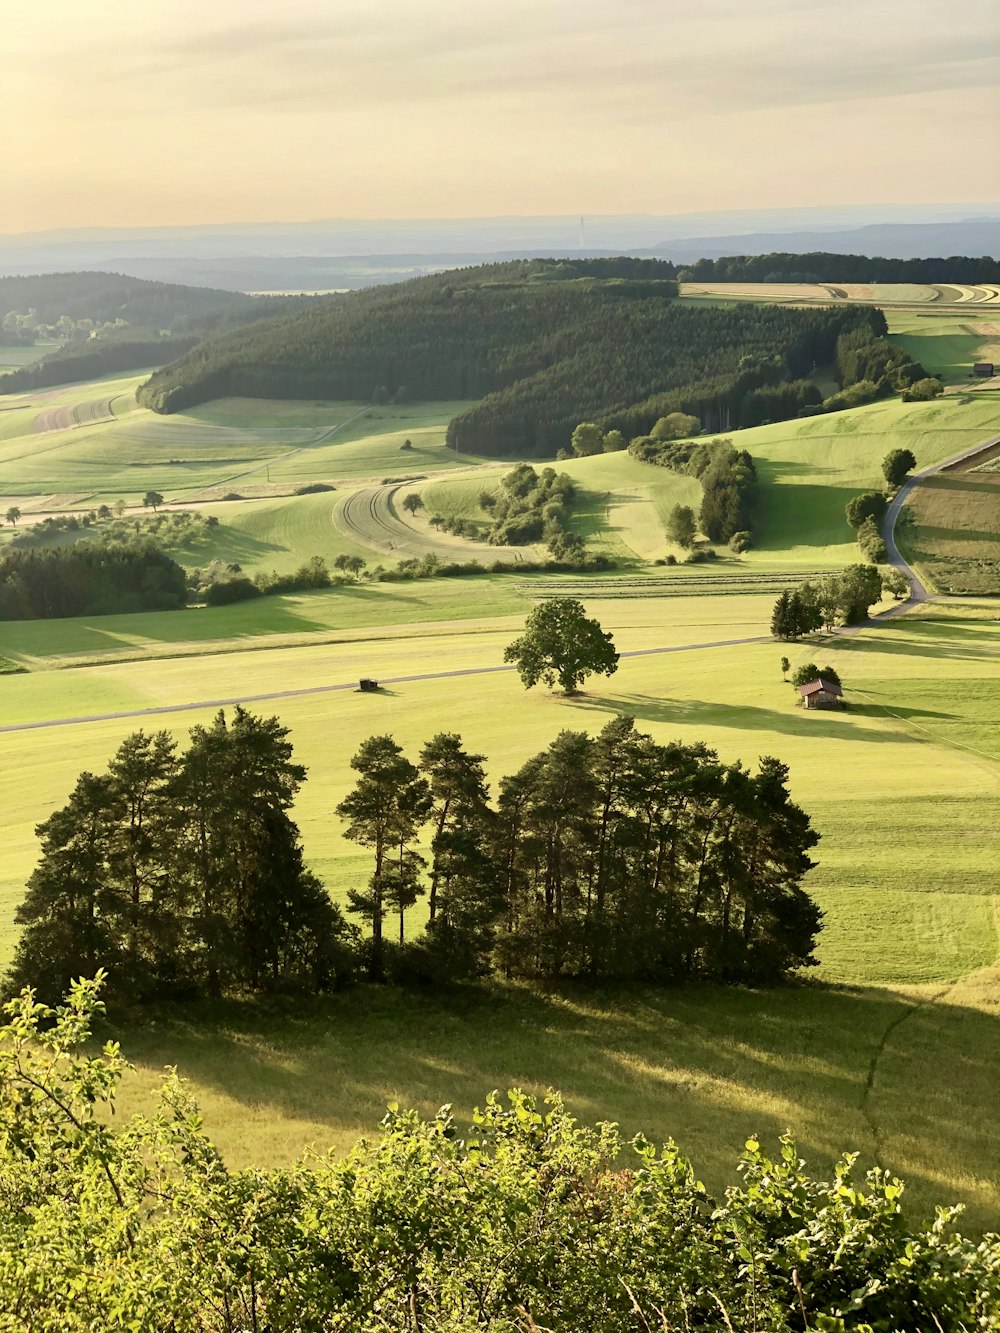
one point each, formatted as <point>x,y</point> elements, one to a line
<point>820,693</point>
<point>983,370</point>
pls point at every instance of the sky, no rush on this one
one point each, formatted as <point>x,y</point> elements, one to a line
<point>169,112</point>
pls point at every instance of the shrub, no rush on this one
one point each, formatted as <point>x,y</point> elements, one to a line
<point>231,590</point>
<point>740,541</point>
<point>870,504</point>
<point>314,488</point>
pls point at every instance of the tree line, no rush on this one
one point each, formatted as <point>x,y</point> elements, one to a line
<point>89,578</point>
<point>522,1219</point>
<point>833,599</point>
<point>540,353</point>
<point>818,266</point>
<point>727,475</point>
<point>602,858</point>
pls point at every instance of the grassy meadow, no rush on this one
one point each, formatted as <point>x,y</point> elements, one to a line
<point>901,787</point>
<point>235,444</point>
<point>886,1047</point>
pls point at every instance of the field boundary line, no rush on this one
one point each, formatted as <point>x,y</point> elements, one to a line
<point>918,591</point>
<point>332,689</point>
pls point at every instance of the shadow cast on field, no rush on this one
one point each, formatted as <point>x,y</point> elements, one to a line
<point>704,1064</point>
<point>830,725</point>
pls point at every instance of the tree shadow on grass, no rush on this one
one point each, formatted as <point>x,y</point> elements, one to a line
<point>831,725</point>
<point>706,1065</point>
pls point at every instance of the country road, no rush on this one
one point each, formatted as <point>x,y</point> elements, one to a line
<point>345,685</point>
<point>918,592</point>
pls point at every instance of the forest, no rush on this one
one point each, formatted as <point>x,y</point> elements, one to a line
<point>607,858</point>
<point>107,322</point>
<point>89,578</point>
<point>543,344</point>
<point>821,267</point>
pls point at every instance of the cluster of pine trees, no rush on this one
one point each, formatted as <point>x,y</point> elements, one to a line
<point>833,599</point>
<point>818,266</point>
<point>607,858</point>
<point>541,353</point>
<point>182,873</point>
<point>89,578</point>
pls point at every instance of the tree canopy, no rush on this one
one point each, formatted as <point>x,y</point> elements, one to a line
<point>561,644</point>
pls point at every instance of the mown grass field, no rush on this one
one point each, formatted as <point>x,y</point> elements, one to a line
<point>233,445</point>
<point>902,787</point>
<point>947,344</point>
<point>952,529</point>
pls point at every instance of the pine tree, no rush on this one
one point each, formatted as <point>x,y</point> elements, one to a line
<point>385,811</point>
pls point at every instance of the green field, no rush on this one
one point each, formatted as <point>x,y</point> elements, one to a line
<point>952,530</point>
<point>232,445</point>
<point>12,358</point>
<point>886,1048</point>
<point>902,788</point>
<point>946,345</point>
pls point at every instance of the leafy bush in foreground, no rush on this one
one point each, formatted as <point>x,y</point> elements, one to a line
<point>524,1223</point>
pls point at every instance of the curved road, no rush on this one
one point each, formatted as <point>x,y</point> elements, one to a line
<point>918,592</point>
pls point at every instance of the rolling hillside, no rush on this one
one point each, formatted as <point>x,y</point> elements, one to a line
<point>544,345</point>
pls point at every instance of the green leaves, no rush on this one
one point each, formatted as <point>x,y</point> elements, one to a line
<point>142,1226</point>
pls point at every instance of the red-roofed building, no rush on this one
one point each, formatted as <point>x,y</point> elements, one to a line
<point>820,693</point>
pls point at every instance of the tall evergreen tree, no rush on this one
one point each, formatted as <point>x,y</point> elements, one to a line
<point>385,811</point>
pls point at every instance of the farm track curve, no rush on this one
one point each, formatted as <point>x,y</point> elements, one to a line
<point>96,412</point>
<point>368,516</point>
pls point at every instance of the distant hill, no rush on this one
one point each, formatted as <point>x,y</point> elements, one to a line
<point>350,253</point>
<point>111,296</point>
<point>110,322</point>
<point>543,343</point>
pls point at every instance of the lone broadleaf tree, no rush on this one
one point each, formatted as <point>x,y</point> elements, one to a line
<point>561,644</point>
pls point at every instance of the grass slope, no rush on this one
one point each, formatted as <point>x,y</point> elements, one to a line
<point>902,788</point>
<point>232,444</point>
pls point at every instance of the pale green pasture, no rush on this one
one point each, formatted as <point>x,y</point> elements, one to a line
<point>372,446</point>
<point>947,343</point>
<point>224,445</point>
<point>903,811</point>
<point>809,469</point>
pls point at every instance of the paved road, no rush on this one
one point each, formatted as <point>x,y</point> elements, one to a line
<point>346,685</point>
<point>918,592</point>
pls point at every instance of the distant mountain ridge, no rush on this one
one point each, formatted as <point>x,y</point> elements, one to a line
<point>352,253</point>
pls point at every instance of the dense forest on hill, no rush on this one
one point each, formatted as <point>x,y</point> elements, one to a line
<point>92,358</point>
<point>543,343</point>
<point>822,267</point>
<point>108,323</point>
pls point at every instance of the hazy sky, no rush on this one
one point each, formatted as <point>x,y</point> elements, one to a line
<point>134,112</point>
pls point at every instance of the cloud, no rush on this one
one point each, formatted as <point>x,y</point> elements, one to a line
<point>645,61</point>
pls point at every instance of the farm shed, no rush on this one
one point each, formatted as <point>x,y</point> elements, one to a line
<point>983,370</point>
<point>820,693</point>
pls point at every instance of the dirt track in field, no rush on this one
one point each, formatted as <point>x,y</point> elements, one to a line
<point>370,518</point>
<point>93,413</point>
